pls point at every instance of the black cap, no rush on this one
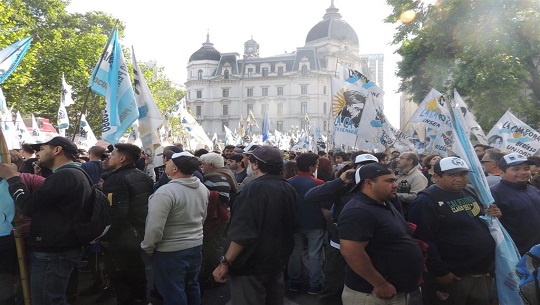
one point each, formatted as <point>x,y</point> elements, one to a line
<point>369,171</point>
<point>267,154</point>
<point>171,150</point>
<point>66,144</point>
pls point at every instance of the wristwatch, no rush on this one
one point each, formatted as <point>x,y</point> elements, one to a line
<point>224,261</point>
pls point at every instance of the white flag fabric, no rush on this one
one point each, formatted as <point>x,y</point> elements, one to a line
<point>195,131</point>
<point>85,137</point>
<point>10,133</point>
<point>230,138</point>
<point>470,121</point>
<point>434,113</point>
<point>512,134</point>
<point>150,119</point>
<point>36,131</point>
<point>63,120</point>
<point>67,99</point>
<point>3,104</point>
<point>22,131</point>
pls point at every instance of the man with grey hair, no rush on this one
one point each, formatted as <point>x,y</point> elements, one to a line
<point>490,164</point>
<point>410,179</point>
<point>223,187</point>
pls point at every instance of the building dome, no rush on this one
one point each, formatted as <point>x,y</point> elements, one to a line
<point>206,52</point>
<point>332,27</point>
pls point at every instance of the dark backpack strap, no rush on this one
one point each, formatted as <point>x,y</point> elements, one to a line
<point>432,194</point>
<point>84,172</point>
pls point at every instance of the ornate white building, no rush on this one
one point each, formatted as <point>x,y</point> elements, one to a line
<point>223,87</point>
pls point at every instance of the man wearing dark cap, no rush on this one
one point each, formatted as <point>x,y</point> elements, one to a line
<point>519,202</point>
<point>260,233</point>
<point>460,248</point>
<point>128,190</point>
<point>161,176</point>
<point>383,260</point>
<point>54,207</point>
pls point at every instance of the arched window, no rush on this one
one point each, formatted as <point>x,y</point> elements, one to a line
<point>199,74</point>
<point>226,74</point>
<point>304,70</point>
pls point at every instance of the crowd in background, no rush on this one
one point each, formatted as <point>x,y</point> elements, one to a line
<point>255,216</point>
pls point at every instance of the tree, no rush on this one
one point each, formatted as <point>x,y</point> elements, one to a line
<point>69,44</point>
<point>489,50</point>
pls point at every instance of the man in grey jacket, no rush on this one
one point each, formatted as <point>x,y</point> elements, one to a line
<point>174,231</point>
<point>410,179</point>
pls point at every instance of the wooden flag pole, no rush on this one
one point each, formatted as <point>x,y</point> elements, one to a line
<point>17,230</point>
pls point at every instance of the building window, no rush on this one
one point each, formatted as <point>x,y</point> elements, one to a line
<point>249,108</point>
<point>199,93</point>
<point>225,92</point>
<point>324,89</point>
<point>264,72</point>
<point>250,72</point>
<point>225,109</point>
<point>303,107</point>
<point>226,74</point>
<point>280,71</point>
<point>264,91</point>
<point>304,70</point>
<point>199,74</point>
<point>280,108</point>
<point>198,111</point>
<point>279,90</point>
<point>324,108</point>
<point>303,89</point>
<point>279,126</point>
<point>249,91</point>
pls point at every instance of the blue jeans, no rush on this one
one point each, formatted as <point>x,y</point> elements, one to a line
<point>176,276</point>
<point>50,276</point>
<point>314,239</point>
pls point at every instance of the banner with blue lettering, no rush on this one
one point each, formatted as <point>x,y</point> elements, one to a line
<point>434,114</point>
<point>110,78</point>
<point>11,56</point>
<point>512,134</point>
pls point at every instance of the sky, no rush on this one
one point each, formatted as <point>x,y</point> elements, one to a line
<point>169,31</point>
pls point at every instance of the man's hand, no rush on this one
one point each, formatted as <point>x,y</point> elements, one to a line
<point>221,273</point>
<point>345,175</point>
<point>494,211</point>
<point>8,170</point>
<point>385,291</point>
<point>447,279</point>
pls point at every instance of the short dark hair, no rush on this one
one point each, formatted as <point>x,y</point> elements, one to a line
<point>96,151</point>
<point>229,147</point>
<point>321,153</point>
<point>380,156</point>
<point>427,159</point>
<point>495,154</point>
<point>130,151</point>
<point>267,168</point>
<point>535,160</point>
<point>27,148</point>
<point>484,146</point>
<point>236,157</point>
<point>306,160</point>
<point>343,155</point>
<point>200,152</point>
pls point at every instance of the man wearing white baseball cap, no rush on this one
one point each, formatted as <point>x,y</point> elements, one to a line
<point>461,250</point>
<point>519,202</point>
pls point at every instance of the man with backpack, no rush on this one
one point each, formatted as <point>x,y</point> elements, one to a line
<point>55,209</point>
<point>460,250</point>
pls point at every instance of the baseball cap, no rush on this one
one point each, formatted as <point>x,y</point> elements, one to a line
<point>177,156</point>
<point>363,158</point>
<point>450,165</point>
<point>66,144</point>
<point>249,148</point>
<point>267,154</point>
<point>369,171</point>
<point>171,150</point>
<point>513,159</point>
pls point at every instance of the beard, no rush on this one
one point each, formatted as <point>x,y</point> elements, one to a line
<point>250,171</point>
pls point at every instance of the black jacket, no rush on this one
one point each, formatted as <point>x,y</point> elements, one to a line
<point>128,189</point>
<point>53,208</point>
<point>262,221</point>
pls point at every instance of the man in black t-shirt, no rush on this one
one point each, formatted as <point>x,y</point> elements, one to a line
<point>383,260</point>
<point>460,248</point>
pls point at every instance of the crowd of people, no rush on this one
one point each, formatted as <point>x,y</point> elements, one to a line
<point>361,227</point>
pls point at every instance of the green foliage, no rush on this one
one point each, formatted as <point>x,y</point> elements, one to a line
<point>69,44</point>
<point>489,50</point>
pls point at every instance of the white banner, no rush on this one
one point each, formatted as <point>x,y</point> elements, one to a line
<point>512,134</point>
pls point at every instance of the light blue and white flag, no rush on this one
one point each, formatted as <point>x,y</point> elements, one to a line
<point>85,137</point>
<point>265,126</point>
<point>512,134</point>
<point>110,78</point>
<point>230,138</point>
<point>11,56</point>
<point>150,119</point>
<point>470,121</point>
